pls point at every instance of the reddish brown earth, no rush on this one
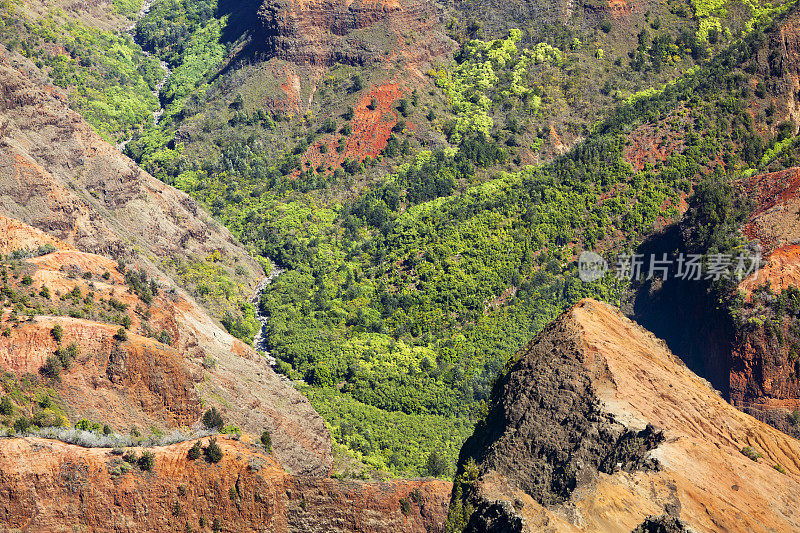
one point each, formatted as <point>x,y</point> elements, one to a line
<point>764,373</point>
<point>371,130</point>
<point>598,399</point>
<point>324,32</point>
<point>50,486</point>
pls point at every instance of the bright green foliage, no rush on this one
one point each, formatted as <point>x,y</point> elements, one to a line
<point>474,84</point>
<point>108,78</point>
<point>389,440</point>
<point>129,8</point>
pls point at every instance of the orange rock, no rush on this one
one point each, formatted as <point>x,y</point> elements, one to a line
<point>51,486</point>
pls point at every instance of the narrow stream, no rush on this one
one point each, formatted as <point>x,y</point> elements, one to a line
<point>259,343</point>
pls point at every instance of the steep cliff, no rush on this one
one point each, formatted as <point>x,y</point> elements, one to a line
<point>324,32</point>
<point>596,426</point>
<point>51,486</point>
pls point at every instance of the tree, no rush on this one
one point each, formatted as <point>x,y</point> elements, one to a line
<point>52,367</point>
<point>213,452</point>
<point>121,335</point>
<point>194,451</point>
<point>22,424</point>
<point>6,407</point>
<point>436,464</point>
<point>212,418</point>
<point>146,461</point>
<point>266,440</point>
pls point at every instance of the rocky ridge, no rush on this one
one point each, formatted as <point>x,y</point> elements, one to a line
<point>596,426</point>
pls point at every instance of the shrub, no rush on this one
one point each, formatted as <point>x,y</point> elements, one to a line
<point>779,468</point>
<point>6,407</point>
<point>52,367</point>
<point>45,292</point>
<point>146,461</point>
<point>213,452</point>
<point>212,418</point>
<point>209,363</point>
<point>750,453</point>
<point>130,457</point>
<point>121,335</point>
<point>358,84</point>
<point>405,506</point>
<point>416,496</point>
<point>22,424</point>
<point>27,280</point>
<point>194,451</point>
<point>266,440</point>
<point>57,332</point>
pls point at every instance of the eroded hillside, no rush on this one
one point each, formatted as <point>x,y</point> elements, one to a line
<point>134,354</point>
<point>52,486</point>
<point>58,175</point>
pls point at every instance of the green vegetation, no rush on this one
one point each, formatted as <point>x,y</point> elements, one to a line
<point>212,419</point>
<point>213,452</point>
<point>194,451</point>
<point>751,453</point>
<point>107,77</point>
<point>146,461</point>
<point>411,278</point>
<point>266,440</point>
<point>401,303</point>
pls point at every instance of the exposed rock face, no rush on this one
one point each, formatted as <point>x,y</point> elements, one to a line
<point>50,486</point>
<point>324,32</point>
<point>571,442</point>
<point>764,374</point>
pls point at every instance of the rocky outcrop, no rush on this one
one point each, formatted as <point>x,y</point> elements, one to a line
<point>324,32</point>
<point>596,426</point>
<point>50,486</point>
